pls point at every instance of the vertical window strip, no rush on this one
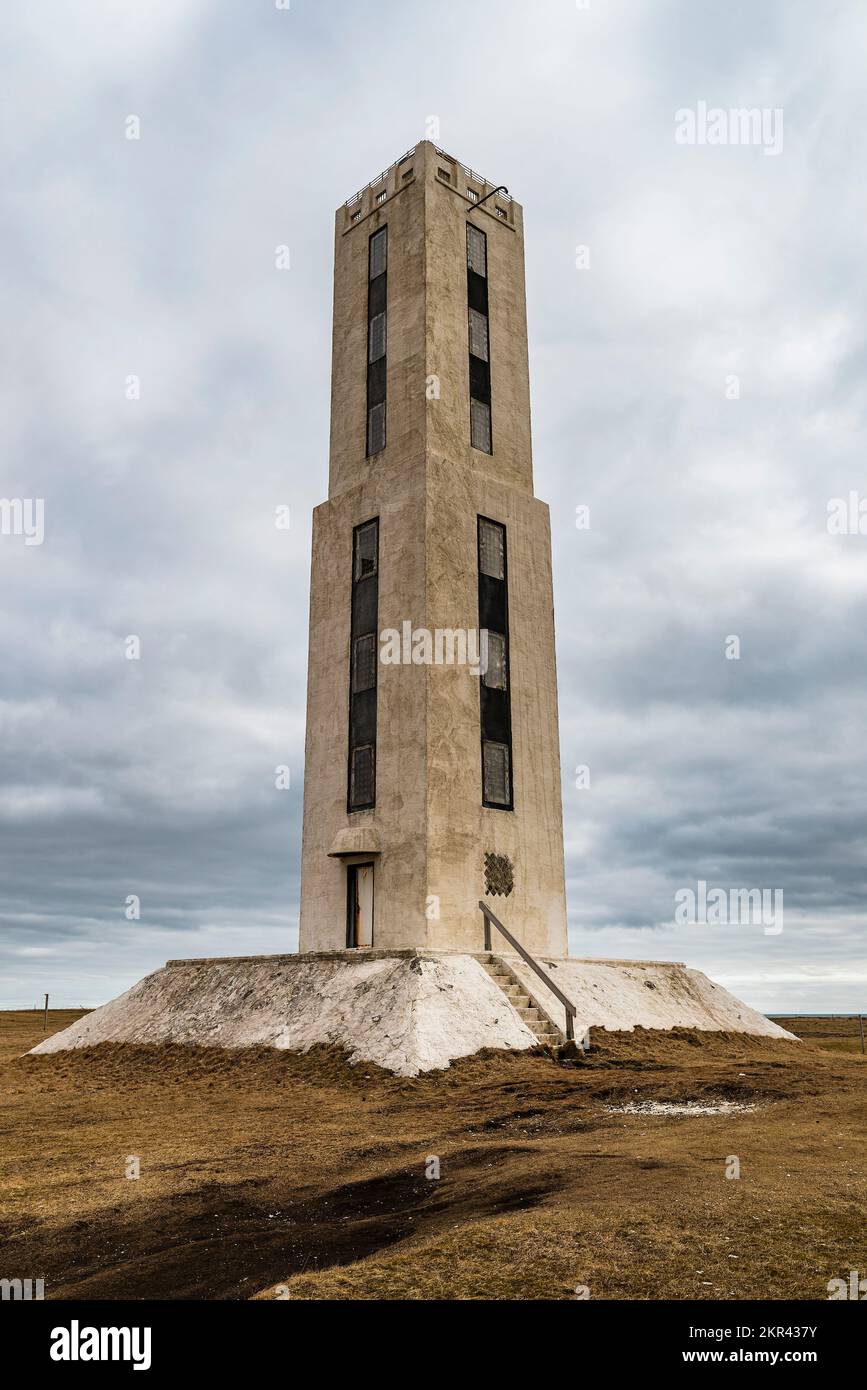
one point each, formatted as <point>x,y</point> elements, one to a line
<point>361,789</point>
<point>377,341</point>
<point>495,714</point>
<point>479,342</point>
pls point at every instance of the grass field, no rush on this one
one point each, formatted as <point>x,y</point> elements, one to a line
<point>263,1170</point>
<point>841,1034</point>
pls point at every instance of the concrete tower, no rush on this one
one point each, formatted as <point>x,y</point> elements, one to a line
<point>428,785</point>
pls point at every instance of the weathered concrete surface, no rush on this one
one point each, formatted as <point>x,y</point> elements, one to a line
<point>427,487</point>
<point>639,994</point>
<point>408,1013</point>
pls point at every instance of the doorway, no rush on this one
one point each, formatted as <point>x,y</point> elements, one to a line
<point>359,905</point>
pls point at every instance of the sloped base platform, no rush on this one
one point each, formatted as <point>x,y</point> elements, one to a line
<point>624,994</point>
<point>407,1011</point>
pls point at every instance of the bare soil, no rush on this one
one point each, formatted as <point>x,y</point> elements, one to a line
<point>271,1174</point>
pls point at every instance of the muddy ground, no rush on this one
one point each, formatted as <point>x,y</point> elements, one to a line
<point>265,1173</point>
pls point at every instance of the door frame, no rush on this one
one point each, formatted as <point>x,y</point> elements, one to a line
<point>352,900</point>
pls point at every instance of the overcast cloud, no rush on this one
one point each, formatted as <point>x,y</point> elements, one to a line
<point>155,258</point>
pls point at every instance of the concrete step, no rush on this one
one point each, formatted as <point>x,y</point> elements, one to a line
<point>523,1005</point>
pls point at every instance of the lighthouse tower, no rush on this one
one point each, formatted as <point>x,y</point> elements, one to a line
<point>432,780</point>
<point>432,772</point>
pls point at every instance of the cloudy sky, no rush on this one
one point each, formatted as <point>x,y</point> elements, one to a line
<point>700,386</point>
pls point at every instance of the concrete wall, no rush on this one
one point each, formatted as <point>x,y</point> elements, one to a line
<point>427,487</point>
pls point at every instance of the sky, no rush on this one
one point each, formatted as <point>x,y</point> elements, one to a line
<point>697,352</point>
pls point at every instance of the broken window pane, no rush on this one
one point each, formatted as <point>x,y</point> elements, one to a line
<point>365,550</point>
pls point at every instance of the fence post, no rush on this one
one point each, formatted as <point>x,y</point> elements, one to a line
<point>861,1029</point>
<point>45,1020</point>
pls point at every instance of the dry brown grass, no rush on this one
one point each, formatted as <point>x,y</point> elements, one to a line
<point>831,1034</point>
<point>261,1168</point>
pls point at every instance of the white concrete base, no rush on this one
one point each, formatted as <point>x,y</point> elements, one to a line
<point>626,994</point>
<point>407,1011</point>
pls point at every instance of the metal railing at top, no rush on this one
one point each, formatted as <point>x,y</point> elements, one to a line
<point>380,178</point>
<point>471,174</point>
<point>525,955</point>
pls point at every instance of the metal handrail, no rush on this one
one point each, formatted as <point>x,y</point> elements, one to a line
<point>525,955</point>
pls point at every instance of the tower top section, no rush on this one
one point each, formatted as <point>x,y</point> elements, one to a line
<point>429,355</point>
<point>471,185</point>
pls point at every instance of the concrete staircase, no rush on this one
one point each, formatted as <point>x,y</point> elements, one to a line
<point>519,997</point>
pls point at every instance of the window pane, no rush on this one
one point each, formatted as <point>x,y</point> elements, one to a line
<point>479,334</point>
<point>480,426</point>
<point>365,550</point>
<point>364,663</point>
<point>361,779</point>
<point>477,250</point>
<point>376,347</point>
<point>495,767</point>
<point>376,428</point>
<point>378,252</point>
<point>495,676</point>
<point>492,549</point>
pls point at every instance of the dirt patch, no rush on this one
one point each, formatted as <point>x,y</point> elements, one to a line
<point>260,1168</point>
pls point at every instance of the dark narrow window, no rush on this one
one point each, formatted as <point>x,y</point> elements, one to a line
<point>377,335</point>
<point>361,785</point>
<point>364,663</point>
<point>494,686</point>
<point>362,682</point>
<point>479,339</point>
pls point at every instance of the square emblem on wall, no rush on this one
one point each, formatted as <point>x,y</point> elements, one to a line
<point>499,875</point>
